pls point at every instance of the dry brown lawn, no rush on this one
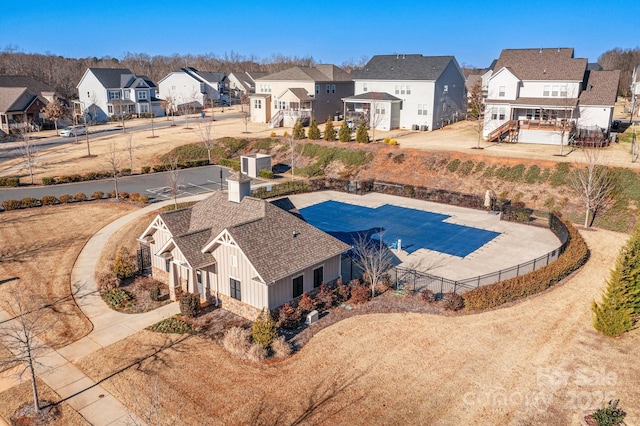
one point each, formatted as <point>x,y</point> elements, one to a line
<point>40,246</point>
<point>16,397</point>
<point>537,362</point>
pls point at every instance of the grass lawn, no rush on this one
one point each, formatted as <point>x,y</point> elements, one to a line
<point>401,368</point>
<point>40,246</point>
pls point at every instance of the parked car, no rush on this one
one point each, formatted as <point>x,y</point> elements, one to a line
<point>70,131</point>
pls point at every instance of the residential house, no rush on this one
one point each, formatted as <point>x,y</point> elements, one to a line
<point>300,92</point>
<point>635,92</point>
<point>408,92</point>
<point>192,89</point>
<point>20,108</point>
<point>480,74</point>
<point>241,253</point>
<point>34,86</point>
<point>547,96</point>
<point>105,92</point>
<point>243,83</point>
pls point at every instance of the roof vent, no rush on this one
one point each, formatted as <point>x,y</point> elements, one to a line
<point>403,56</point>
<point>295,234</point>
<point>397,56</point>
<point>541,50</point>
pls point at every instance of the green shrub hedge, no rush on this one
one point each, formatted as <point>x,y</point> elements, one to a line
<point>9,181</point>
<point>11,204</point>
<point>265,173</point>
<point>287,188</point>
<point>234,164</point>
<point>574,256</point>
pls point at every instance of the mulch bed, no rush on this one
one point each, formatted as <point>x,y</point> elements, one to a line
<point>140,288</point>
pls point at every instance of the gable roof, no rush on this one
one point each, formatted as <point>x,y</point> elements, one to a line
<point>601,88</point>
<point>372,96</point>
<point>403,67</point>
<point>110,77</point>
<point>259,228</point>
<point>322,72</point>
<point>542,64</point>
<point>30,83</point>
<point>16,99</point>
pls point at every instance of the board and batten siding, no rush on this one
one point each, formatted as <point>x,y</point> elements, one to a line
<point>251,292</point>
<point>160,238</point>
<point>281,291</point>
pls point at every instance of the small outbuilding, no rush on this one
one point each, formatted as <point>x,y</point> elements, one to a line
<point>252,164</point>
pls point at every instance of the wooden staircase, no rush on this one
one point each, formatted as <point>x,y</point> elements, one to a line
<point>507,132</point>
<point>276,120</point>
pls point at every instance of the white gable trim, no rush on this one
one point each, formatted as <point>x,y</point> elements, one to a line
<point>170,246</point>
<point>503,69</point>
<point>155,225</point>
<point>224,238</point>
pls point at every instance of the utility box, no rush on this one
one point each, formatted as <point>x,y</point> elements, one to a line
<point>251,164</point>
<point>311,317</point>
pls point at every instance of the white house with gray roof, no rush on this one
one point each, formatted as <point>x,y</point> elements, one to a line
<point>105,92</point>
<point>241,253</point>
<point>300,92</point>
<point>188,86</point>
<point>408,92</point>
<point>547,96</point>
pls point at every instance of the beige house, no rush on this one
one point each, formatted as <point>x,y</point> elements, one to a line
<point>241,253</point>
<point>300,92</point>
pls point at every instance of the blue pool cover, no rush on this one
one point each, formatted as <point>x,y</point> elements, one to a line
<point>416,228</point>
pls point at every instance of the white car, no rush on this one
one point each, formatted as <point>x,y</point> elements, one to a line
<point>73,131</point>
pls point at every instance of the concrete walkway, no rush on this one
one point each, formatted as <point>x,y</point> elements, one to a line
<point>82,393</point>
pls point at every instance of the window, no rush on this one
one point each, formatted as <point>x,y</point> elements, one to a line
<point>199,277</point>
<point>422,109</point>
<point>563,91</point>
<point>397,89</point>
<point>554,91</point>
<point>408,90</point>
<point>502,113</point>
<point>173,87</point>
<point>257,103</point>
<point>265,88</point>
<point>333,88</point>
<point>328,88</point>
<point>298,286</point>
<point>235,289</point>
<point>142,95</point>
<point>364,87</point>
<point>318,277</point>
<point>114,94</point>
<point>144,109</point>
<point>167,265</point>
<point>380,110</point>
<point>445,89</point>
<point>403,89</point>
<point>501,91</point>
<point>317,89</point>
<point>127,95</point>
<point>546,90</point>
<point>494,113</point>
<point>110,109</point>
<point>234,261</point>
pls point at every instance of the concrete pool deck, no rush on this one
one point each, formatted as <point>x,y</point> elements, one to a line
<point>516,244</point>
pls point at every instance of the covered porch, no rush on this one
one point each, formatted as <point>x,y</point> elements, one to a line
<point>379,110</point>
<point>294,104</point>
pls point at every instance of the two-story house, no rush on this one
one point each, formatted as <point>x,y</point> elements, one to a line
<point>105,92</point>
<point>241,253</point>
<point>300,92</point>
<point>243,83</point>
<point>408,92</point>
<point>21,101</point>
<point>188,86</point>
<point>545,96</point>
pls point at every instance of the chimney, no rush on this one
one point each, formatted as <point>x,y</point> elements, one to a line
<point>239,187</point>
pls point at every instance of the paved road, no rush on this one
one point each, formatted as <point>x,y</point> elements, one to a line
<point>195,181</point>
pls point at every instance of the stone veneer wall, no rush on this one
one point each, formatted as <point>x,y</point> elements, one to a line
<point>160,275</point>
<point>237,307</point>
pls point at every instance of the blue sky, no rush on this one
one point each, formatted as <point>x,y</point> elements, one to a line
<point>330,31</point>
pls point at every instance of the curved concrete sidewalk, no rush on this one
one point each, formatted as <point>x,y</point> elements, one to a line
<point>82,393</point>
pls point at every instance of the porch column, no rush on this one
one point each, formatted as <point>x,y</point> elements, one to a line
<point>173,282</point>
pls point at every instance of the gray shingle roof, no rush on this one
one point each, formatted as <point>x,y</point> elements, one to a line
<point>301,93</point>
<point>321,73</point>
<point>17,99</point>
<point>35,86</point>
<point>551,102</point>
<point>264,232</point>
<point>542,64</point>
<point>601,88</point>
<point>110,77</point>
<point>373,96</point>
<point>403,67</point>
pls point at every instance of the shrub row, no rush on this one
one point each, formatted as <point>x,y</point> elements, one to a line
<point>493,295</point>
<point>287,188</point>
<point>517,173</point>
<point>50,200</point>
<point>233,164</point>
<point>265,173</point>
<point>9,181</point>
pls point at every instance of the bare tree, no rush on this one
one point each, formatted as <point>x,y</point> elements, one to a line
<point>169,106</point>
<point>130,149</point>
<point>21,335</point>
<point>594,183</point>
<point>373,257</point>
<point>246,118</point>
<point>376,115</point>
<point>174,180</point>
<point>476,109</point>
<point>55,111</point>
<point>205,133</point>
<point>566,123</point>
<point>28,150</point>
<point>112,162</point>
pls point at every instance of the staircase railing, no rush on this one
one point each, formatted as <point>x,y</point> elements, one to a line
<point>276,119</point>
<point>506,127</point>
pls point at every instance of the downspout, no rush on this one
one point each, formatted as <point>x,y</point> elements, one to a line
<point>217,300</point>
